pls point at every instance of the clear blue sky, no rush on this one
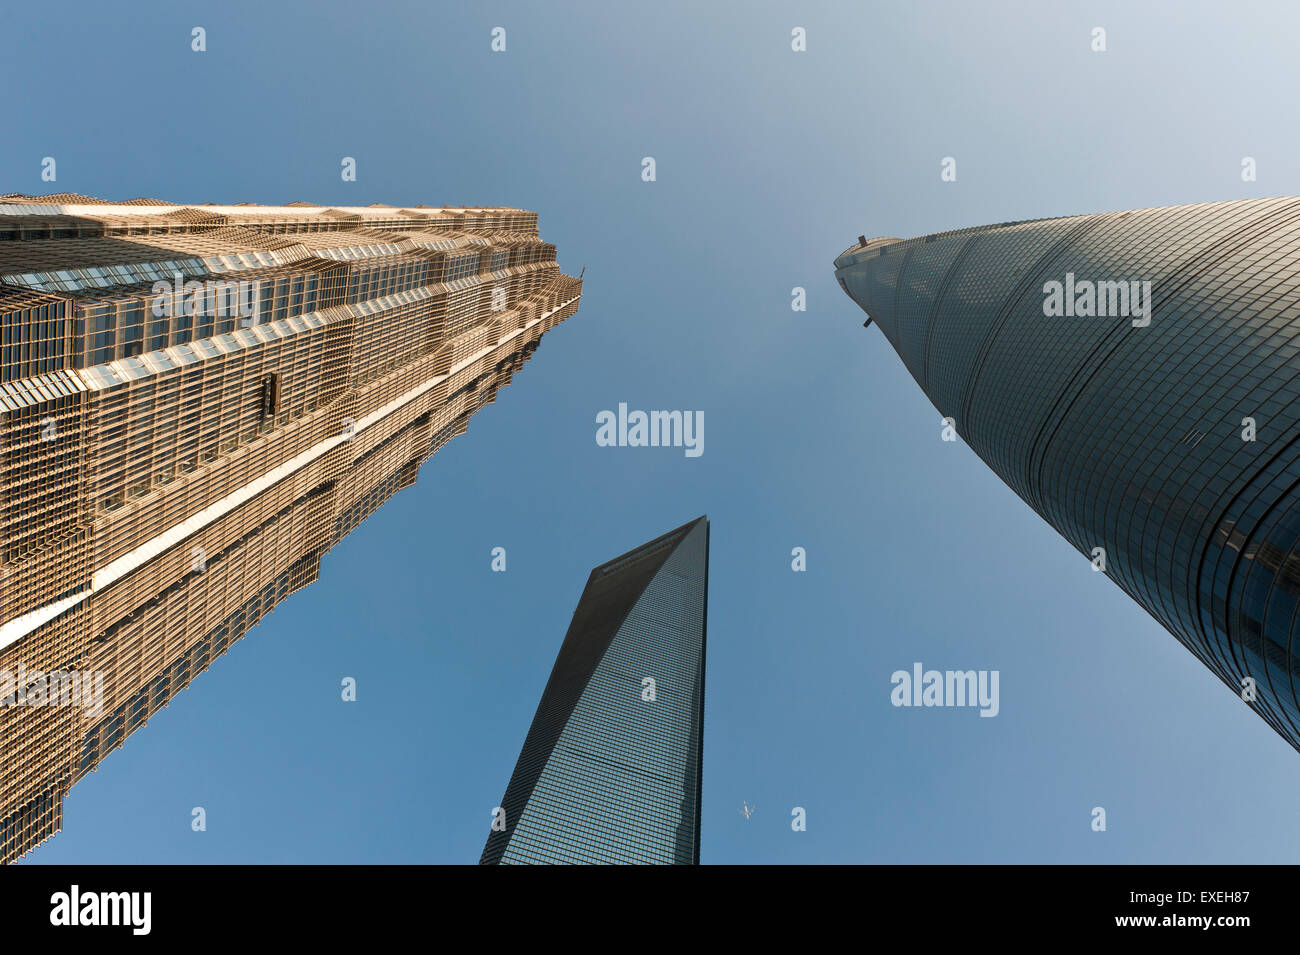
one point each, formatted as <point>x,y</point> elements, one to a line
<point>769,163</point>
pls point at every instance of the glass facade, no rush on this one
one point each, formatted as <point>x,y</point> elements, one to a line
<point>171,467</point>
<point>610,769</point>
<point>1170,440</point>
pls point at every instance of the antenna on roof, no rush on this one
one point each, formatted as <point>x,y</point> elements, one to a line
<point>862,240</point>
<point>583,272</point>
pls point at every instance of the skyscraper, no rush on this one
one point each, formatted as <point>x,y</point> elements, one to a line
<point>1132,376</point>
<point>196,402</point>
<point>610,769</point>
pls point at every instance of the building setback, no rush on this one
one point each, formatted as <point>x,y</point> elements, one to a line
<point>173,464</point>
<point>610,771</point>
<point>1156,426</point>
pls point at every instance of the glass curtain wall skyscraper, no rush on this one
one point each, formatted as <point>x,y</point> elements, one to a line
<point>196,403</point>
<point>1133,377</point>
<point>610,771</point>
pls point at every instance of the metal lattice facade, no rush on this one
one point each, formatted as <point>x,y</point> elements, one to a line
<point>1133,438</point>
<point>173,465</point>
<point>610,769</point>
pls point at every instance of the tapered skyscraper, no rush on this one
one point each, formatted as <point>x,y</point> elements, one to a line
<point>1133,376</point>
<point>196,402</point>
<point>610,769</point>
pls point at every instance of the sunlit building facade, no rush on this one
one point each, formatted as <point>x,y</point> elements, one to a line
<point>1133,377</point>
<point>610,771</point>
<point>196,403</point>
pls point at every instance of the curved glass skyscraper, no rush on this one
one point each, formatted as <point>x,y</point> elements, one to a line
<point>1133,377</point>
